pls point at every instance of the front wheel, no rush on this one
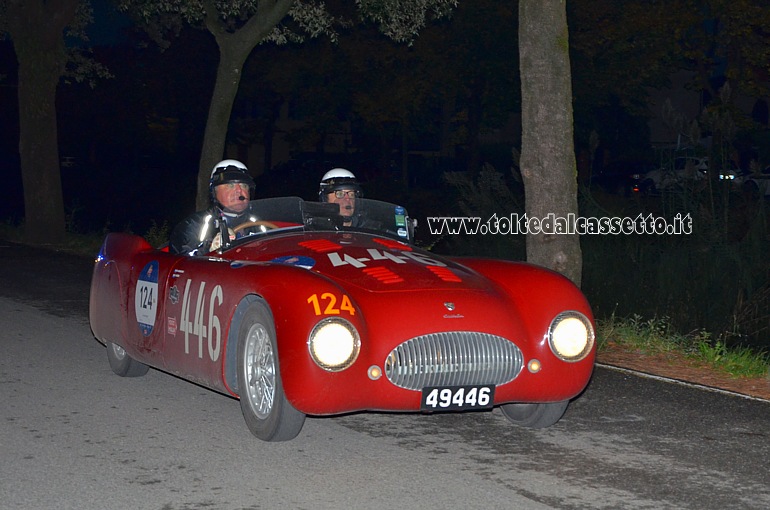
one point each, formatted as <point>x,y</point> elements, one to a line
<point>123,364</point>
<point>535,416</point>
<point>267,412</point>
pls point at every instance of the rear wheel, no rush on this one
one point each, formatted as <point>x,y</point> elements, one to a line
<point>267,412</point>
<point>123,364</point>
<point>535,416</point>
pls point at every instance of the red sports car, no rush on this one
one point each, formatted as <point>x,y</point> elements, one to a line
<point>299,315</point>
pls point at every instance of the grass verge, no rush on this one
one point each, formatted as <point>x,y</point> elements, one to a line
<point>84,244</point>
<point>656,336</point>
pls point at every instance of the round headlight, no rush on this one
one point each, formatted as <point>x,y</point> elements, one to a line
<point>571,336</point>
<point>334,344</point>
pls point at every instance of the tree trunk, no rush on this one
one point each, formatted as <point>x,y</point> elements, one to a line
<point>36,29</point>
<point>548,165</point>
<point>234,49</point>
<point>231,62</point>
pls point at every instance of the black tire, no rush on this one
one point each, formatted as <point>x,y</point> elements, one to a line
<point>123,364</point>
<point>534,416</point>
<point>267,412</point>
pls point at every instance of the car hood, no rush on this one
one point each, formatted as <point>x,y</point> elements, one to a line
<point>383,275</point>
<point>369,262</point>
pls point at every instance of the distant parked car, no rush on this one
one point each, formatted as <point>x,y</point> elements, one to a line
<point>685,170</point>
<point>733,174</point>
<point>621,177</point>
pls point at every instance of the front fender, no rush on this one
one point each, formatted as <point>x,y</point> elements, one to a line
<point>537,292</point>
<point>539,295</point>
<point>287,290</point>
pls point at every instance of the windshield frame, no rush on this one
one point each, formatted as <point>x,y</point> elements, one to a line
<point>294,214</point>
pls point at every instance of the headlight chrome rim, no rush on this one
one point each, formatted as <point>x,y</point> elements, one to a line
<point>325,349</point>
<point>565,348</point>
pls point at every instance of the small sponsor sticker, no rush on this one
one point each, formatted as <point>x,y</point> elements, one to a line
<point>296,260</point>
<point>171,321</point>
<point>237,264</point>
<point>400,216</point>
<point>173,294</point>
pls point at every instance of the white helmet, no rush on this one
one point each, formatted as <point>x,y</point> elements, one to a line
<point>227,171</point>
<point>228,162</point>
<point>338,178</point>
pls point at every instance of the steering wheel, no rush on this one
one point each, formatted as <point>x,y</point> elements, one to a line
<point>243,226</point>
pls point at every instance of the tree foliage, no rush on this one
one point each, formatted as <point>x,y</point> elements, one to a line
<point>622,50</point>
<point>727,40</point>
<point>239,26</point>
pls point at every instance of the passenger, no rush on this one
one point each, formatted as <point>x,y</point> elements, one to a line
<point>340,186</point>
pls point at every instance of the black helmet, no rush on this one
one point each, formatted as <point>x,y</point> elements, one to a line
<point>336,179</point>
<point>229,171</point>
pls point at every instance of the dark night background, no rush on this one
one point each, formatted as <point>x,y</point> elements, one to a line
<point>130,146</point>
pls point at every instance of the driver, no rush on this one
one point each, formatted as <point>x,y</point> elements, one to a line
<point>230,188</point>
<point>340,186</point>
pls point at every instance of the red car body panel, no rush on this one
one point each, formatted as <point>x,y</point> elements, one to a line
<point>177,313</point>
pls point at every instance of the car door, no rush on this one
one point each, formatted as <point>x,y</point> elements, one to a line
<point>197,311</point>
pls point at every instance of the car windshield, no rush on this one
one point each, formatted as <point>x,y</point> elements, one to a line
<point>372,216</point>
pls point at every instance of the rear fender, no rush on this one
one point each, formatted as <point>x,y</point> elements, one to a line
<point>108,280</point>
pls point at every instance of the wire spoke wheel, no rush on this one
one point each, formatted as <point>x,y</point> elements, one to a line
<point>267,412</point>
<point>260,371</point>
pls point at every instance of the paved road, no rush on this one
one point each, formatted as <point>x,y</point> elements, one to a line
<point>74,435</point>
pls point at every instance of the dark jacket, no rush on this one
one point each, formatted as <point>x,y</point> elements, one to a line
<point>193,235</point>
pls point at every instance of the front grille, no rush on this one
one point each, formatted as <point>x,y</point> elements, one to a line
<point>456,358</point>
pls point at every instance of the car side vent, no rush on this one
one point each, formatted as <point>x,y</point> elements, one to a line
<point>455,358</point>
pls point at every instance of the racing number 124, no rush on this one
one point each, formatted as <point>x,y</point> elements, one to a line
<point>331,304</point>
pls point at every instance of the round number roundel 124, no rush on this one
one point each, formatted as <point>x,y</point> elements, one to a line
<point>146,297</point>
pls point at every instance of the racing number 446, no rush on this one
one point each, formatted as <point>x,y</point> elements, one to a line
<point>203,315</point>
